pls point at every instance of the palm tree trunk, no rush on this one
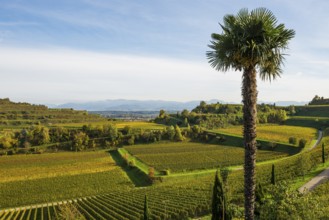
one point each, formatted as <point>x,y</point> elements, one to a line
<point>249,94</point>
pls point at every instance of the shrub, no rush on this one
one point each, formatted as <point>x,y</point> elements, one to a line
<point>292,140</point>
<point>151,172</point>
<point>165,172</point>
<point>132,163</point>
<point>302,143</point>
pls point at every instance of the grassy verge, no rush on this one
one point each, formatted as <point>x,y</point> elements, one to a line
<point>135,174</point>
<point>138,163</point>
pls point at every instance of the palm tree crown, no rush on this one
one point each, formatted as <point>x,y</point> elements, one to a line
<point>250,40</point>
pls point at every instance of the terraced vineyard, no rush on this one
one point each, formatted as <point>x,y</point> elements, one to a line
<point>186,156</point>
<point>18,115</point>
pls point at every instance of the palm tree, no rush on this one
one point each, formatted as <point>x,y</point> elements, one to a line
<point>250,42</point>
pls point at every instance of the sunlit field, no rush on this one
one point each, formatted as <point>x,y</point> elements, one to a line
<point>276,133</point>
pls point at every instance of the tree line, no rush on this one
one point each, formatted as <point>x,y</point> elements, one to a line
<point>219,115</point>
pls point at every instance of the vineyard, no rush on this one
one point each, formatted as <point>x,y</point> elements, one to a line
<point>103,184</point>
<point>187,156</point>
<point>275,133</point>
<point>18,115</point>
<point>29,179</point>
<point>188,196</point>
<point>29,167</point>
<point>165,202</point>
<point>118,124</point>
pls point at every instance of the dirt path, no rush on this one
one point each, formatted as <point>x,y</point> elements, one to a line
<point>315,181</point>
<point>310,185</point>
<point>318,141</point>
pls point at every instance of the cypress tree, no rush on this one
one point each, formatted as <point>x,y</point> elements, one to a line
<point>219,201</point>
<point>178,134</point>
<point>146,210</point>
<point>273,175</point>
<point>323,156</point>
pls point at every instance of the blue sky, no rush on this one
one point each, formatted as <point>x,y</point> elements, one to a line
<point>70,50</point>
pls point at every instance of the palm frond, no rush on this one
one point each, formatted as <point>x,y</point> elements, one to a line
<point>250,39</point>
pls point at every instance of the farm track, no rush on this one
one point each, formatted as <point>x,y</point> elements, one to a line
<point>315,181</point>
<point>318,141</point>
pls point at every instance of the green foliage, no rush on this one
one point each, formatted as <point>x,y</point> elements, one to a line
<point>162,113</point>
<point>132,163</point>
<point>219,115</point>
<point>302,143</point>
<point>185,113</point>
<point>219,201</point>
<point>171,132</point>
<point>257,33</point>
<point>127,130</point>
<point>80,141</point>
<point>146,214</point>
<point>8,140</point>
<point>40,135</point>
<point>284,203</point>
<point>131,140</point>
<point>178,134</point>
<point>317,100</point>
<point>273,175</point>
<point>224,172</point>
<point>293,140</point>
<point>323,154</point>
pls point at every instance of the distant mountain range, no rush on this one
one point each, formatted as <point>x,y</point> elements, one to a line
<point>133,105</point>
<point>148,105</point>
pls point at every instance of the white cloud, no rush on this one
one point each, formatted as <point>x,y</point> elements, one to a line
<point>62,75</point>
<point>57,75</point>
